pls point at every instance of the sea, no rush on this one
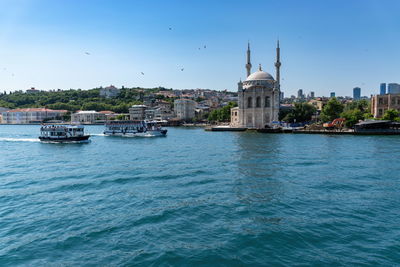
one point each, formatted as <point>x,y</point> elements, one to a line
<point>197,198</point>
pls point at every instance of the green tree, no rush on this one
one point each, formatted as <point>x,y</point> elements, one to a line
<point>362,105</point>
<point>222,114</point>
<point>352,117</point>
<point>332,110</point>
<point>368,116</point>
<point>302,112</point>
<point>391,114</point>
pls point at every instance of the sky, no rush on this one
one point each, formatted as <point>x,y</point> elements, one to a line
<point>326,46</point>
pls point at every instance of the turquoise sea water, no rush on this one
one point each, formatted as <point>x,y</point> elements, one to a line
<point>199,198</point>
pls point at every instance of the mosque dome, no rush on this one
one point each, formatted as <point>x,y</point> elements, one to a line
<point>260,75</point>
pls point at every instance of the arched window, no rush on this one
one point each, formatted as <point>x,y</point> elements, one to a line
<point>267,103</point>
<point>258,102</point>
<point>249,104</point>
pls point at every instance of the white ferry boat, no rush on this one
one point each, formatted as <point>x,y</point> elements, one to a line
<point>134,128</point>
<point>63,134</point>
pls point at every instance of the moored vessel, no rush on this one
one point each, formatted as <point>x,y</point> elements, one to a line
<point>63,134</point>
<point>133,128</point>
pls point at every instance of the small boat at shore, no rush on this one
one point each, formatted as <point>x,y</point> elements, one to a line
<point>63,134</point>
<point>134,129</point>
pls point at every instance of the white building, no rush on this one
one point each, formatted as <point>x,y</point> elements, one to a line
<point>137,112</point>
<point>259,95</point>
<point>109,92</point>
<point>89,116</point>
<point>184,109</point>
<point>1,113</point>
<point>32,91</point>
<point>31,115</point>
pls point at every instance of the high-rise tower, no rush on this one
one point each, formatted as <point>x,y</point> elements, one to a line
<point>278,66</point>
<point>248,64</point>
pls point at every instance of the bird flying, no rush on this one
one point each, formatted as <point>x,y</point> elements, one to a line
<point>87,53</point>
<point>142,73</point>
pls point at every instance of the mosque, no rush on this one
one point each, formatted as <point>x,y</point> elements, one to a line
<point>259,97</point>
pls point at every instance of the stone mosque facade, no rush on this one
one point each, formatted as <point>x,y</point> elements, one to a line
<point>259,97</point>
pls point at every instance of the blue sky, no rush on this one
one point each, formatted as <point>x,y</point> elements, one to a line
<point>325,45</point>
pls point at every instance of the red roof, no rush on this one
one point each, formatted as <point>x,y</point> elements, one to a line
<point>106,112</point>
<point>37,110</point>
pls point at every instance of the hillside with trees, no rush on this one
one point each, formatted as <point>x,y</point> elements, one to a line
<point>73,100</point>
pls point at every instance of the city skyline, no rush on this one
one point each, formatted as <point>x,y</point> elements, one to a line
<point>50,45</point>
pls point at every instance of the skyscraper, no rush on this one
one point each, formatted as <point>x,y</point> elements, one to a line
<point>333,94</point>
<point>312,94</point>
<point>393,88</point>
<point>383,89</point>
<point>300,93</point>
<point>356,93</point>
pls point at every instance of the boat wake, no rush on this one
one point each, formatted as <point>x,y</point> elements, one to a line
<point>19,139</point>
<point>97,135</point>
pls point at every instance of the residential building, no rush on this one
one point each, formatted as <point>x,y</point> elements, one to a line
<point>32,91</point>
<point>318,103</point>
<point>137,112</point>
<point>1,113</point>
<point>393,88</point>
<point>109,92</point>
<point>356,93</point>
<point>184,109</point>
<point>381,103</point>
<point>89,116</point>
<point>382,89</point>
<point>31,115</point>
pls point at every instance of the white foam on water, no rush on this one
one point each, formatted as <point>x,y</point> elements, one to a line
<point>19,139</point>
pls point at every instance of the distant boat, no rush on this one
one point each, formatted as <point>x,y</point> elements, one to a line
<point>63,134</point>
<point>139,128</point>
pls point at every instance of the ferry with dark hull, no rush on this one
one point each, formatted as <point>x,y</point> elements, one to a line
<point>132,128</point>
<point>63,134</point>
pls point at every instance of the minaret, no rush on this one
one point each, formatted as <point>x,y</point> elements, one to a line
<point>248,64</point>
<point>278,65</point>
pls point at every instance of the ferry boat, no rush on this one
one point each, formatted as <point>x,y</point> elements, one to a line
<point>63,134</point>
<point>134,128</point>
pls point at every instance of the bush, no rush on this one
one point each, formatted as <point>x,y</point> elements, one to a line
<point>392,115</point>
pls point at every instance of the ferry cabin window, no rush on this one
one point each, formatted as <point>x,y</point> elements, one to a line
<point>249,102</point>
<point>258,102</point>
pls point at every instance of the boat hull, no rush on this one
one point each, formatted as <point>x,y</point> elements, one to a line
<point>75,139</point>
<point>137,134</point>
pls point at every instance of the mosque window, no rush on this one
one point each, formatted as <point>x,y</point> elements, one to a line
<point>249,104</point>
<point>258,102</point>
<point>267,102</point>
